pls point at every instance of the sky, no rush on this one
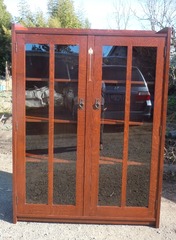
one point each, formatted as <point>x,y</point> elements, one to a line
<point>99,12</point>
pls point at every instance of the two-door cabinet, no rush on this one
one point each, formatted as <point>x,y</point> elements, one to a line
<point>89,116</point>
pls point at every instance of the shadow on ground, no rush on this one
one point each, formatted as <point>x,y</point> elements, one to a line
<point>6,196</point>
<point>169,190</point>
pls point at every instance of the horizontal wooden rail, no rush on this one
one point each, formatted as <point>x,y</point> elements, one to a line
<point>47,79</point>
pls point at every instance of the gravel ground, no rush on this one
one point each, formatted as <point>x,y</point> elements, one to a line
<point>32,230</point>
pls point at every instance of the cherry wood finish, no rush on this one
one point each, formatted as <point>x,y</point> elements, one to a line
<point>86,208</point>
<point>163,122</point>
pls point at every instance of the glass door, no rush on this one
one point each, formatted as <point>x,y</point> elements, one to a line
<point>54,129</point>
<point>126,112</point>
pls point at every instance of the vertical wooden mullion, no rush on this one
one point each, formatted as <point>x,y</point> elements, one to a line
<point>51,125</point>
<point>89,195</point>
<point>126,126</point>
<point>82,43</point>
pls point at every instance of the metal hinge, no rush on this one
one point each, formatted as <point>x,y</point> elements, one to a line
<point>156,204</point>
<point>165,51</point>
<point>16,47</point>
<point>160,131</point>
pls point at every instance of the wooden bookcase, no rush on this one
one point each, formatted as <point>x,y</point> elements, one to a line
<point>89,117</point>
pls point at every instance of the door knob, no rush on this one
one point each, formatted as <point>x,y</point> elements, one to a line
<point>81,104</point>
<point>97,104</point>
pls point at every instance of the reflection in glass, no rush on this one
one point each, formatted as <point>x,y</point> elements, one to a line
<point>66,81</point>
<point>65,133</point>
<point>139,155</point>
<point>66,100</point>
<point>111,138</point>
<point>140,103</point>
<point>140,135</point>
<point>36,162</point>
<point>37,105</point>
<point>114,55</point>
<point>37,69</point>
<point>65,155</point>
<point>66,62</point>
<point>110,175</point>
<point>112,125</point>
<point>114,81</point>
<point>138,185</point>
<point>36,182</point>
<point>140,132</point>
<point>142,87</point>
<point>110,168</point>
<point>37,60</point>
<point>37,99</point>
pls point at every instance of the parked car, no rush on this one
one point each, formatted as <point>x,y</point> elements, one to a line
<point>113,94</point>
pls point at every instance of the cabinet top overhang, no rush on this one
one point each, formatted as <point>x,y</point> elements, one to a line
<point>19,29</point>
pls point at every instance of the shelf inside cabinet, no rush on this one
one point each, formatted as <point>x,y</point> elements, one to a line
<point>42,119</point>
<point>37,79</point>
<point>40,159</point>
<point>47,79</point>
<point>36,119</point>
<point>121,122</point>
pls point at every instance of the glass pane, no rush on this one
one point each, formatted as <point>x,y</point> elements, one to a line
<point>114,82</point>
<point>65,128</point>
<point>66,62</point>
<point>37,105</point>
<point>65,155</point>
<point>36,182</point>
<point>110,175</point>
<point>66,81</point>
<point>112,124</point>
<point>140,143</point>
<point>140,134</point>
<point>37,80</point>
<point>143,81</point>
<point>37,60</point>
<point>36,162</point>
<point>37,99</point>
<point>65,96</point>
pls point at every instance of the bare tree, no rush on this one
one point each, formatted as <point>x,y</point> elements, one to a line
<point>122,13</point>
<point>157,13</point>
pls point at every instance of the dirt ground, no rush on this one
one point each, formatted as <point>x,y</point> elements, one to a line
<point>31,230</point>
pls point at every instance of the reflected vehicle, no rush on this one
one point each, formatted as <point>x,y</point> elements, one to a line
<point>113,94</point>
